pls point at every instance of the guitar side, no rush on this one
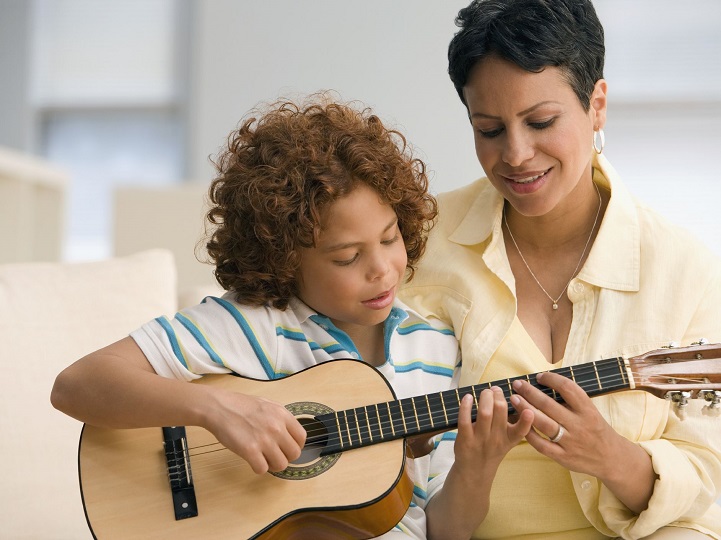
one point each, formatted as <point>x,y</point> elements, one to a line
<point>363,493</point>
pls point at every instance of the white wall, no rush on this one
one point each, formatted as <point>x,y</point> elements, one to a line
<point>662,66</point>
<point>390,55</point>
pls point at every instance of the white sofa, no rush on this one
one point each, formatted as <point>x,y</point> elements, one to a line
<point>50,315</point>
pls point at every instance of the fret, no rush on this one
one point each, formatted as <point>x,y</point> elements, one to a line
<point>474,393</point>
<point>348,428</point>
<point>437,409</point>
<point>390,418</point>
<point>403,416</point>
<point>398,421</point>
<point>622,369</point>
<point>430,413</point>
<point>598,378</point>
<point>453,412</point>
<point>368,424</point>
<point>408,415</point>
<point>340,430</point>
<point>380,422</point>
<point>613,374</point>
<point>510,390</point>
<point>573,376</point>
<point>415,413</point>
<point>423,413</point>
<point>443,404</point>
<point>361,421</point>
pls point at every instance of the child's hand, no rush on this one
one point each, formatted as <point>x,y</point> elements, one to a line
<point>262,432</point>
<point>482,445</point>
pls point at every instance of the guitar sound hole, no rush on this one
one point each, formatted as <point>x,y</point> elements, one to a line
<point>316,440</point>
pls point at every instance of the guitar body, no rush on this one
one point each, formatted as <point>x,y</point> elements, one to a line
<point>360,493</point>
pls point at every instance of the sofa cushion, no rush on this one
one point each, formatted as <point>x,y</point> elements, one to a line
<point>51,314</point>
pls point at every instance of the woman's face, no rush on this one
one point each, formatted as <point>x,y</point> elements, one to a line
<point>533,137</point>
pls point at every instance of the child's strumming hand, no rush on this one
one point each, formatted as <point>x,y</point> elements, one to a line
<point>262,432</point>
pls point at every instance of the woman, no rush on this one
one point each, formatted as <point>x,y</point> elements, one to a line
<point>549,262</point>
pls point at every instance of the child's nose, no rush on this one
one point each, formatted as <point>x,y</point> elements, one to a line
<point>379,267</point>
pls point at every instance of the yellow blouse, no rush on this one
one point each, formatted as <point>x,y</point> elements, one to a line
<point>646,283</point>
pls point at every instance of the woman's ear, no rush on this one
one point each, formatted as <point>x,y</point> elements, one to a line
<point>598,104</point>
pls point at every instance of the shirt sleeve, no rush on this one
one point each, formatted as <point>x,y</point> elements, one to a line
<point>686,456</point>
<point>216,336</point>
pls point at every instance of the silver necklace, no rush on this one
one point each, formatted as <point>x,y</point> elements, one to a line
<point>555,302</point>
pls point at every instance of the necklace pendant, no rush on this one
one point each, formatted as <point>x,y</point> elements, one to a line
<point>555,306</point>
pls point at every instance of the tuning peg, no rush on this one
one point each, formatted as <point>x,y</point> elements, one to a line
<point>671,345</point>
<point>713,397</point>
<point>680,400</point>
<point>702,341</point>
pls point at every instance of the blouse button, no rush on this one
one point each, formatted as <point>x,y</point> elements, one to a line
<point>586,484</point>
<point>578,287</point>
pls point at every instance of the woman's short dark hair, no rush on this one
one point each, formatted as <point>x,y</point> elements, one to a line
<point>287,162</point>
<point>532,34</point>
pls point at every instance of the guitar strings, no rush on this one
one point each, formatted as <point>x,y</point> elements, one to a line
<point>320,436</point>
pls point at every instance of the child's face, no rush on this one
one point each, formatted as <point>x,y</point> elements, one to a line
<point>353,273</point>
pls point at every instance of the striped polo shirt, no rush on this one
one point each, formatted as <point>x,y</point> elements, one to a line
<point>219,335</point>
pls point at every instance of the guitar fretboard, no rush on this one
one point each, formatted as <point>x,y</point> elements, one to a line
<point>380,422</point>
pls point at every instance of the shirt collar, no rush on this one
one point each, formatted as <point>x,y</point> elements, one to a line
<point>614,259</point>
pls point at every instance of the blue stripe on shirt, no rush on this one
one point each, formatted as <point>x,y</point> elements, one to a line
<point>424,366</point>
<point>250,336</point>
<point>174,343</point>
<point>420,326</point>
<point>191,327</point>
<point>297,335</point>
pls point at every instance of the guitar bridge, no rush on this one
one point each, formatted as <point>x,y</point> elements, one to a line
<point>179,473</point>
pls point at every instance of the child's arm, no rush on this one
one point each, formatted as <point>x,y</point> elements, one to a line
<point>463,502</point>
<point>116,387</point>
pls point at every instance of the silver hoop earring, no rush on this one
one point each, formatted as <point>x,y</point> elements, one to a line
<point>599,140</point>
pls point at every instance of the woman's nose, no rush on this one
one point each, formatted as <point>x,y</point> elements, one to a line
<point>517,148</point>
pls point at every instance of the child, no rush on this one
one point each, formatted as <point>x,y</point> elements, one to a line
<point>319,213</point>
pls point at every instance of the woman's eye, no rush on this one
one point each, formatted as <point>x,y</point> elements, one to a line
<point>347,262</point>
<point>490,133</point>
<point>541,125</point>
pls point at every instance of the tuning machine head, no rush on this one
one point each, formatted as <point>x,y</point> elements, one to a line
<point>680,400</point>
<point>713,402</point>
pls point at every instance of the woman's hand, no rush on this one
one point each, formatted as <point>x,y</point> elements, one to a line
<point>584,441</point>
<point>262,432</point>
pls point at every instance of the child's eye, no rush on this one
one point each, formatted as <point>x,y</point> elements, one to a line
<point>541,125</point>
<point>347,262</point>
<point>391,240</point>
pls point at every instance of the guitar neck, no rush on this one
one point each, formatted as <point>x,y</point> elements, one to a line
<point>373,424</point>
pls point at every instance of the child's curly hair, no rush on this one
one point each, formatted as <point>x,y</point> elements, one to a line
<point>282,167</point>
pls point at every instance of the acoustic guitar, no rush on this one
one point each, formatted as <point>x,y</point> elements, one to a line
<point>180,483</point>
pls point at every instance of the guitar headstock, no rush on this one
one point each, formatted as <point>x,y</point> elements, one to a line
<point>681,373</point>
